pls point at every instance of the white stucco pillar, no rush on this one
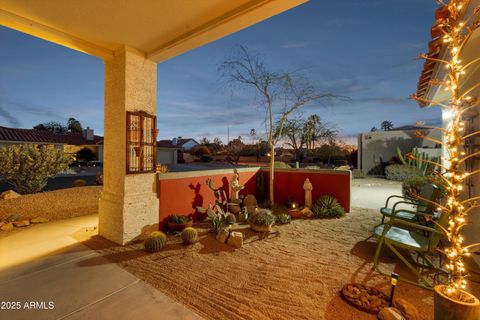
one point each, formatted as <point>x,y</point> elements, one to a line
<point>128,202</point>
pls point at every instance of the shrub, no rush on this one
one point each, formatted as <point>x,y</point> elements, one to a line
<point>358,174</point>
<point>206,158</point>
<point>399,172</point>
<point>161,168</point>
<point>200,150</point>
<point>28,167</point>
<point>79,183</point>
<point>85,154</point>
<point>378,170</point>
<point>413,185</point>
<point>327,207</point>
<point>178,219</point>
<point>281,165</point>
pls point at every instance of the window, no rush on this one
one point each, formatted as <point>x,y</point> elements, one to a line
<point>141,142</point>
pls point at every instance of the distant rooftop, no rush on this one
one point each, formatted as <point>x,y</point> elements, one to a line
<point>45,136</point>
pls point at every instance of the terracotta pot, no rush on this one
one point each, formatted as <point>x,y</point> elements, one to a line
<point>179,226</point>
<point>295,213</point>
<point>446,308</point>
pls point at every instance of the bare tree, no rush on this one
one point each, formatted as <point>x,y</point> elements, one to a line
<point>280,93</point>
<point>386,125</point>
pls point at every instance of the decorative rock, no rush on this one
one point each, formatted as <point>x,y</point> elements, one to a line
<point>406,308</point>
<point>21,223</point>
<point>230,219</point>
<point>250,201</point>
<point>9,194</point>
<point>307,213</point>
<point>222,235</point>
<point>7,227</point>
<point>251,210</point>
<point>390,314</point>
<point>39,220</point>
<point>235,239</point>
<point>234,208</point>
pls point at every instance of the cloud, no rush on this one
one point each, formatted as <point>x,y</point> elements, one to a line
<point>382,100</point>
<point>13,121</point>
<point>294,45</point>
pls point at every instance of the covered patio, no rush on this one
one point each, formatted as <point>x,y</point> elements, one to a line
<point>131,38</point>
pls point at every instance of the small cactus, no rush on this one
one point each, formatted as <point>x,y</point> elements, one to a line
<point>284,218</point>
<point>230,219</point>
<point>189,235</point>
<point>155,241</point>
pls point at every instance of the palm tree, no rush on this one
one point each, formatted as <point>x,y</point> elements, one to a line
<point>253,133</point>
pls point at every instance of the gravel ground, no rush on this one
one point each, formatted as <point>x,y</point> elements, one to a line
<point>296,273</point>
<point>54,205</point>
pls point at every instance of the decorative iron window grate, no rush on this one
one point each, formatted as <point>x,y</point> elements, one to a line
<point>141,142</point>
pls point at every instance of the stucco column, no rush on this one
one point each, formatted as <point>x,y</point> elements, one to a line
<point>128,202</point>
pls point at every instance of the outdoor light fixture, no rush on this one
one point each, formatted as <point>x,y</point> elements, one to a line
<point>394,284</point>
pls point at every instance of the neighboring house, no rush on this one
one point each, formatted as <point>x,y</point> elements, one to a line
<point>185,144</point>
<point>167,153</point>
<point>381,146</point>
<point>69,143</point>
<point>432,73</point>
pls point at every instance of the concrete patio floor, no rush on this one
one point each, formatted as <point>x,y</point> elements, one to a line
<point>46,263</point>
<point>372,193</point>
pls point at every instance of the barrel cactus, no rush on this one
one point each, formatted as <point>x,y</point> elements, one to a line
<point>155,241</point>
<point>189,235</point>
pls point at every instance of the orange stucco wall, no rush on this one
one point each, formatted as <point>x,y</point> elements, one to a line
<point>181,195</point>
<point>290,183</point>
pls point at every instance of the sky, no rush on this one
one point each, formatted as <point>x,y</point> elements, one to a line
<point>362,49</point>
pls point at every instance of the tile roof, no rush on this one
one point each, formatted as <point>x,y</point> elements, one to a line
<point>185,140</point>
<point>44,136</point>
<point>434,49</point>
<point>166,144</point>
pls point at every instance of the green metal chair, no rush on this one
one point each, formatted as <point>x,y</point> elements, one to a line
<point>431,192</point>
<point>399,233</point>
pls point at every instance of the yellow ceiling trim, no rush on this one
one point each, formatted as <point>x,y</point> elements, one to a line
<point>16,22</point>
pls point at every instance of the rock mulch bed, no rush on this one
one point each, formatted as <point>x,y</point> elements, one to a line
<point>53,205</point>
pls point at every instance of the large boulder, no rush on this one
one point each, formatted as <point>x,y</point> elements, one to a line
<point>249,201</point>
<point>222,235</point>
<point>390,313</point>
<point>38,220</point>
<point>7,226</point>
<point>9,194</point>
<point>21,223</point>
<point>406,308</point>
<point>235,239</point>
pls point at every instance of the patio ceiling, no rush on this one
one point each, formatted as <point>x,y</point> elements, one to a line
<point>159,29</point>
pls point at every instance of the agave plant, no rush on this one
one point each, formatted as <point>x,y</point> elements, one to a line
<point>327,207</point>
